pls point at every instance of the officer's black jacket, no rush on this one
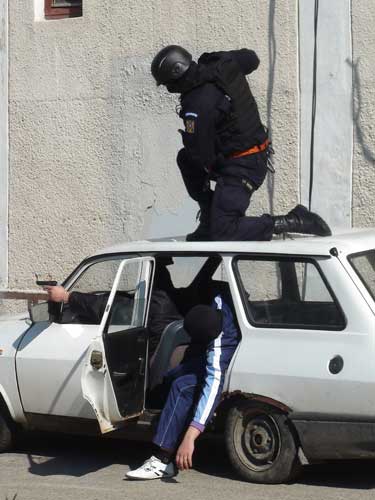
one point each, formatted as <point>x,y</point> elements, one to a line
<point>203,107</point>
<point>90,309</point>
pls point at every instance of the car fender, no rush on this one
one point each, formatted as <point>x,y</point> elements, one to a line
<point>11,334</point>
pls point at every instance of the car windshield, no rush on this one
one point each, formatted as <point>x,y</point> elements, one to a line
<point>364,265</point>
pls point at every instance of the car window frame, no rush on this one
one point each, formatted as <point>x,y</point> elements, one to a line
<point>286,258</point>
<point>75,275</point>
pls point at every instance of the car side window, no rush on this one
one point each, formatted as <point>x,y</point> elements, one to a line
<point>97,278</point>
<point>287,293</point>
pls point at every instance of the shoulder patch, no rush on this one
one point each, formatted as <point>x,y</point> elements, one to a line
<point>190,126</point>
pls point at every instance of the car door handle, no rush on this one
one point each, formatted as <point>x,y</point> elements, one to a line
<point>336,365</point>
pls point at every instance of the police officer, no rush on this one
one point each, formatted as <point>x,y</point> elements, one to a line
<point>224,140</point>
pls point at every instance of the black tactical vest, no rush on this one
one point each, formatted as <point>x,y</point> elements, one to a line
<point>241,127</point>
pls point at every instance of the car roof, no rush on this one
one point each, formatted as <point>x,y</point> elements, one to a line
<point>346,242</point>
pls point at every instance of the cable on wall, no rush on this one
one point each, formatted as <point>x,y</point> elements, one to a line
<point>313,105</point>
<point>271,79</point>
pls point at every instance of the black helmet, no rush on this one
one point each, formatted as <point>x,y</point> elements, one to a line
<point>170,64</point>
<point>203,324</point>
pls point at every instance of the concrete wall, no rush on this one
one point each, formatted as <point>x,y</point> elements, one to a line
<point>363,63</point>
<point>3,143</point>
<point>93,141</point>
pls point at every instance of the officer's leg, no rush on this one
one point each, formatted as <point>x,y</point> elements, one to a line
<point>228,221</point>
<point>197,185</point>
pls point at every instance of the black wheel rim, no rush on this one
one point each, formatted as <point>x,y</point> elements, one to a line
<point>258,444</point>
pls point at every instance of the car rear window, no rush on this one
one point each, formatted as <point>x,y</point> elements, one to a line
<point>364,265</point>
<point>287,293</point>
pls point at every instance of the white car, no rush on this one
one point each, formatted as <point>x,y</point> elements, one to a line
<point>300,387</point>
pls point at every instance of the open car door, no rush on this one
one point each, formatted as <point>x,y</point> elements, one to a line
<point>114,373</point>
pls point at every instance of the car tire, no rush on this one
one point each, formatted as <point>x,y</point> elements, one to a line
<point>261,444</point>
<point>6,434</point>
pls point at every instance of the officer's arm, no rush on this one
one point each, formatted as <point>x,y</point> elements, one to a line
<point>89,307</point>
<point>198,114</point>
<point>246,59</point>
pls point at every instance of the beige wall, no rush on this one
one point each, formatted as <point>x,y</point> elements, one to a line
<point>363,21</point>
<point>93,141</point>
<point>4,164</point>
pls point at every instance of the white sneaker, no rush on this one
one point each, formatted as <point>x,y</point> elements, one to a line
<point>153,468</point>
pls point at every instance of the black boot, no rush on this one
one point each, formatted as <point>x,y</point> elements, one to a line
<point>202,233</point>
<point>301,220</point>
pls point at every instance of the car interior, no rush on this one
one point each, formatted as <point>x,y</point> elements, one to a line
<point>200,288</point>
<point>174,339</point>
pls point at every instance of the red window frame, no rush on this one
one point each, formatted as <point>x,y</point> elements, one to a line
<point>52,11</point>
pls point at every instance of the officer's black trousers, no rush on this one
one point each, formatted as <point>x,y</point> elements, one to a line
<point>227,205</point>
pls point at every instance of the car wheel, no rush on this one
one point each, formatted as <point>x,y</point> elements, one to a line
<point>261,444</point>
<point>6,434</point>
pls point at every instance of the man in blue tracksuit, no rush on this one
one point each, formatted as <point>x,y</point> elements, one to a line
<point>194,389</point>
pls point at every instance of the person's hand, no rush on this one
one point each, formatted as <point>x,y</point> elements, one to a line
<point>57,294</point>
<point>184,455</point>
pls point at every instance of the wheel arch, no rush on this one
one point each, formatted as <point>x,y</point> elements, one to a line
<point>237,397</point>
<point>230,399</point>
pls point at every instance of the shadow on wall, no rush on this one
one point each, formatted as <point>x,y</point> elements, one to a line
<point>357,108</point>
<point>271,78</point>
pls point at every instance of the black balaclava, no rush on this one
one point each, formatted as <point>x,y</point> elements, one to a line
<point>203,324</point>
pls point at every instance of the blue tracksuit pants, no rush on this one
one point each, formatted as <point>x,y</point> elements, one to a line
<point>183,386</point>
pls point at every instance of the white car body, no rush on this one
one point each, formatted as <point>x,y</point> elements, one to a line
<point>44,366</point>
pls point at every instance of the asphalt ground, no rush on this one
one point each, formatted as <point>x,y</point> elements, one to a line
<point>47,467</point>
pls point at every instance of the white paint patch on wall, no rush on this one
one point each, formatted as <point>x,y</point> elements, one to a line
<point>333,141</point>
<point>39,10</point>
<point>168,224</point>
<point>3,143</point>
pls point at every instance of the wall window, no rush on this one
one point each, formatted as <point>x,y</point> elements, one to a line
<point>287,293</point>
<point>62,8</point>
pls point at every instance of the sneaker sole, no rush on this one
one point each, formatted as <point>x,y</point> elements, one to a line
<point>163,476</point>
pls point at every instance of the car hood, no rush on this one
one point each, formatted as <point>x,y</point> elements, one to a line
<point>15,316</point>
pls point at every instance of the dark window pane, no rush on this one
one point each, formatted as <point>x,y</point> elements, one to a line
<point>66,3</point>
